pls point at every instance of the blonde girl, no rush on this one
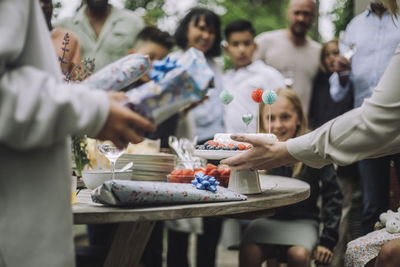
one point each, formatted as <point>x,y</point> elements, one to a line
<point>292,235</point>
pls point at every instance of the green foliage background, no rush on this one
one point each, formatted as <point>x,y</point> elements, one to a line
<point>266,15</point>
<point>342,13</point>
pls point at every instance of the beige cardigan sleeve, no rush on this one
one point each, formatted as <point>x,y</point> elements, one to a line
<point>370,131</point>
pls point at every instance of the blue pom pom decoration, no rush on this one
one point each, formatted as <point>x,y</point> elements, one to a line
<point>269,97</point>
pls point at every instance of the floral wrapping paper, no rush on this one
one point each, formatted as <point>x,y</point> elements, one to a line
<point>186,83</point>
<point>137,193</point>
<point>120,73</point>
<point>363,249</point>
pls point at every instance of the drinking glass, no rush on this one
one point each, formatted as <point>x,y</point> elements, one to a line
<point>111,152</point>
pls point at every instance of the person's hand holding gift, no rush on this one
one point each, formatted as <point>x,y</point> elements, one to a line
<point>123,125</point>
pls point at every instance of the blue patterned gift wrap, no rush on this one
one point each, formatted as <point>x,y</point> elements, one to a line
<point>120,73</point>
<point>137,193</point>
<point>188,82</point>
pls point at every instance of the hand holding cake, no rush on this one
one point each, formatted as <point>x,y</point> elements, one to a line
<point>284,121</point>
<point>266,153</point>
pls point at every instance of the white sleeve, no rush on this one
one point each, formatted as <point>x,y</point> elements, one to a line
<point>373,130</point>
<point>336,90</point>
<point>36,110</point>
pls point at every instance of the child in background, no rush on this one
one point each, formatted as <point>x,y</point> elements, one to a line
<point>153,42</point>
<point>322,109</point>
<point>322,106</point>
<point>200,28</point>
<point>292,234</point>
<point>156,44</point>
<point>246,76</point>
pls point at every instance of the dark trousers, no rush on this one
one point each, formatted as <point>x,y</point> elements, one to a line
<point>178,242</point>
<point>374,174</point>
<point>101,235</point>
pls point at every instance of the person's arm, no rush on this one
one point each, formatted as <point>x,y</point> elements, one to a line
<point>373,130</point>
<point>264,155</point>
<point>75,50</point>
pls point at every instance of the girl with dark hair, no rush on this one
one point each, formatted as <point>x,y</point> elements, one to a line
<point>199,29</point>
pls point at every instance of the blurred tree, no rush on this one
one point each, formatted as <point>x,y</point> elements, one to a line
<point>342,13</point>
<point>154,9</point>
<point>266,15</point>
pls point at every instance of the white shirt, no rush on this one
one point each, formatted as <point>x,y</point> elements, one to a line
<point>241,84</point>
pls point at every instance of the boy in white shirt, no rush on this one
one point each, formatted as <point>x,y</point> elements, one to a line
<point>245,77</point>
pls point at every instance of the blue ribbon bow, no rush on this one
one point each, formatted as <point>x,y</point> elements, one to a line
<point>205,182</point>
<point>161,67</point>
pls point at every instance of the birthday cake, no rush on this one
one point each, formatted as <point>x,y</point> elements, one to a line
<point>223,141</point>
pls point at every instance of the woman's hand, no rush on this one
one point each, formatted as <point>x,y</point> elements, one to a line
<point>323,255</point>
<point>265,154</point>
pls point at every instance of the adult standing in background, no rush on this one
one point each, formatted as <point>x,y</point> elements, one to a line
<point>201,29</point>
<point>372,130</point>
<point>38,113</point>
<point>374,36</point>
<point>105,33</point>
<point>291,52</point>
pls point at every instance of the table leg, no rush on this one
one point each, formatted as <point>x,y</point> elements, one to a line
<point>128,244</point>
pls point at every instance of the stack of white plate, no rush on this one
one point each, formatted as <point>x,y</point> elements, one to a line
<point>148,167</point>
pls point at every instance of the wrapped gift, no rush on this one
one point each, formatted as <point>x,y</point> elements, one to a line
<point>175,84</point>
<point>120,73</point>
<point>137,193</point>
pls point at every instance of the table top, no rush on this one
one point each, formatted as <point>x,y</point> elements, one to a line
<point>277,191</point>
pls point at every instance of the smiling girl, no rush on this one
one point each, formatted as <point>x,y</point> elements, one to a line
<point>292,235</point>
